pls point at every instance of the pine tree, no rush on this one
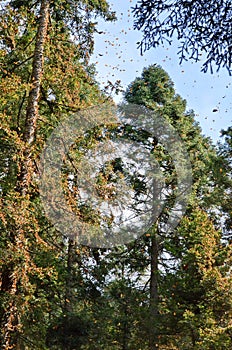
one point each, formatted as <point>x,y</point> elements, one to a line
<point>196,295</point>
<point>156,91</point>
<point>44,74</point>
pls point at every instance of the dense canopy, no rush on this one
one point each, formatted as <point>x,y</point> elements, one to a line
<point>163,290</point>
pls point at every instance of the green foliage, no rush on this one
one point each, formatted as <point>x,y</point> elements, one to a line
<point>204,270</point>
<point>154,87</point>
<point>59,295</point>
<point>33,256</point>
<point>192,259</point>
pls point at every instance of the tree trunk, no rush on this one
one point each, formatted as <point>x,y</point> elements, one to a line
<point>34,95</point>
<point>10,323</point>
<point>154,268</point>
<point>154,293</point>
<point>36,76</point>
<point>69,297</point>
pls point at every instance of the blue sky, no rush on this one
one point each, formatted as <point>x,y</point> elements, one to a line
<point>118,58</point>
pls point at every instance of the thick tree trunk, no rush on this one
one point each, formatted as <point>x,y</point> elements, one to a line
<point>36,76</point>
<point>10,323</point>
<point>154,251</point>
<point>34,95</point>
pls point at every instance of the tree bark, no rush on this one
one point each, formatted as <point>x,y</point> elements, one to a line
<point>34,95</point>
<point>10,322</point>
<point>154,293</point>
<point>37,72</point>
<point>154,256</point>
